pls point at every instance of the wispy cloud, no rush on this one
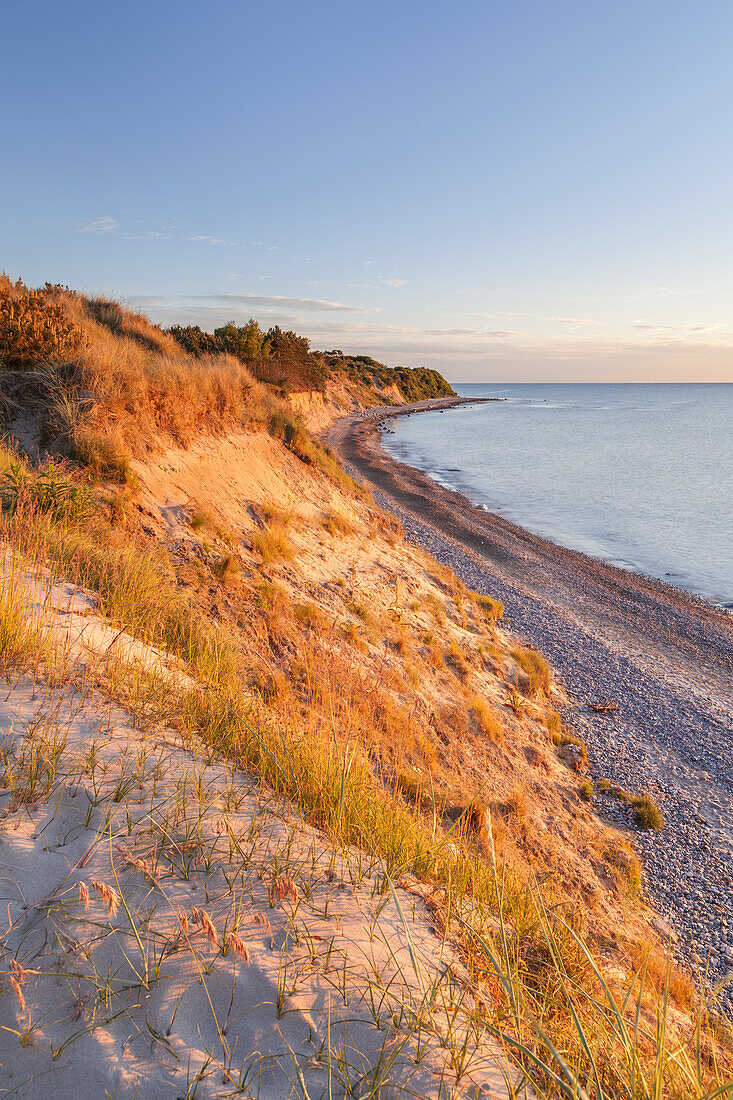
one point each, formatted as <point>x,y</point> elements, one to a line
<point>280,301</point>
<point>111,225</point>
<point>100,225</point>
<point>682,330</point>
<point>574,322</point>
<point>395,282</point>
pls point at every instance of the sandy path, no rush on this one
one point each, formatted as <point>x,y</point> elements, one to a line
<point>664,656</point>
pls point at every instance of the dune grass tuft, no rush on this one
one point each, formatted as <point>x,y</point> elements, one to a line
<point>272,544</point>
<point>535,668</point>
<point>647,814</point>
<point>487,719</point>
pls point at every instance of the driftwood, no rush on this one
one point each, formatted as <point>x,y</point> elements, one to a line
<point>604,706</point>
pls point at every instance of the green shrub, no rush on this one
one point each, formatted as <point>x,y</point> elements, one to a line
<point>414,383</point>
<point>50,489</point>
<point>32,330</point>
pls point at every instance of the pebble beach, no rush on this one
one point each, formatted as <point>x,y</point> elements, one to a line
<point>663,657</point>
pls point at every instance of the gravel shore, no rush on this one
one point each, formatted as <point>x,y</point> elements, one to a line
<point>664,656</point>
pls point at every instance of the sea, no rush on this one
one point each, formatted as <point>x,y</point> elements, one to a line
<point>640,475</point>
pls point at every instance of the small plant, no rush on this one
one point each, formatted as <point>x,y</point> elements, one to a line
<point>290,430</point>
<point>454,656</point>
<point>647,814</point>
<point>364,613</point>
<point>309,614</point>
<point>228,569</point>
<point>201,520</point>
<point>585,790</point>
<point>337,524</point>
<point>272,544</point>
<point>576,753</point>
<point>272,598</point>
<point>605,786</point>
<point>31,771</point>
<point>106,458</point>
<point>516,701</point>
<point>493,609</point>
<point>487,720</point>
<point>50,488</point>
<point>516,804</point>
<point>626,867</point>
<point>535,668</point>
<point>416,787</point>
<point>350,632</point>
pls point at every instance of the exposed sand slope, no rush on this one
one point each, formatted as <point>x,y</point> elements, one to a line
<point>225,948</point>
<point>428,660</point>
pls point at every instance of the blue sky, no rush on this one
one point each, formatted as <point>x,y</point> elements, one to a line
<point>511,190</point>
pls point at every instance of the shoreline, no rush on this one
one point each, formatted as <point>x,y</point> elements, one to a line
<point>665,655</point>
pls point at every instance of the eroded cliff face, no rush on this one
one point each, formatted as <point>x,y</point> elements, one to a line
<point>352,630</point>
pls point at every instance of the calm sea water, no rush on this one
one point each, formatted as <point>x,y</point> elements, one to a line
<point>641,475</point>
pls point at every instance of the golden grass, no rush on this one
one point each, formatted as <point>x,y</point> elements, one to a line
<point>455,657</point>
<point>228,569</point>
<point>487,720</point>
<point>309,615</point>
<point>535,668</point>
<point>23,639</point>
<point>202,519</point>
<point>337,524</point>
<point>647,814</point>
<point>319,749</point>
<point>272,544</point>
<point>492,609</point>
<point>548,991</point>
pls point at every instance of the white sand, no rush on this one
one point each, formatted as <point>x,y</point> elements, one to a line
<point>347,985</point>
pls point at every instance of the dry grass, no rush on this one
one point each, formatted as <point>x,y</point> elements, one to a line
<point>535,668</point>
<point>272,544</point>
<point>491,608</point>
<point>523,951</point>
<point>647,814</point>
<point>332,731</point>
<point>309,615</point>
<point>23,639</point>
<point>585,790</point>
<point>487,719</point>
<point>228,569</point>
<point>337,524</point>
<point>455,657</point>
<point>202,520</point>
<point>127,388</point>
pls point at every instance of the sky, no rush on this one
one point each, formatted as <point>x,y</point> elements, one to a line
<point>507,190</point>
